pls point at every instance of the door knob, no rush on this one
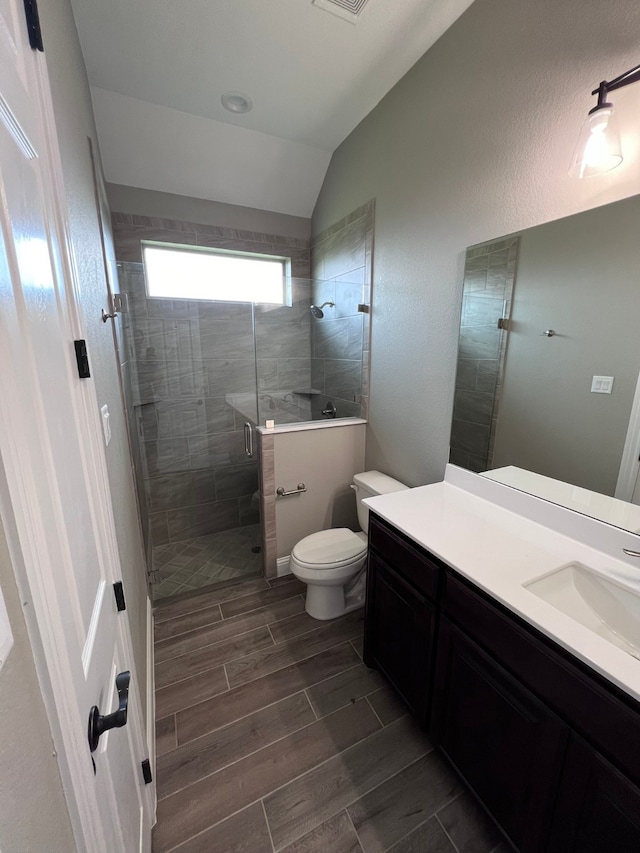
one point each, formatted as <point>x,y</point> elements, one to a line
<point>99,723</point>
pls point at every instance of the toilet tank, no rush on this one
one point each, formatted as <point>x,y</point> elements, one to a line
<point>368,485</point>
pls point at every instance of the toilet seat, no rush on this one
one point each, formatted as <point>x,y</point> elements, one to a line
<point>330,549</point>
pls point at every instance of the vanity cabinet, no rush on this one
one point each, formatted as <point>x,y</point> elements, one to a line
<point>565,742</point>
<point>550,747</point>
<point>598,808</point>
<point>401,616</point>
<point>505,743</point>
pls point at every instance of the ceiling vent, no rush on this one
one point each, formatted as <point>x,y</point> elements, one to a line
<point>348,10</point>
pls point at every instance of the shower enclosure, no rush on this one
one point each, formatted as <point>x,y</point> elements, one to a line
<point>200,375</point>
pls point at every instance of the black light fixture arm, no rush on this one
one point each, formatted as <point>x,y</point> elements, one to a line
<point>630,76</point>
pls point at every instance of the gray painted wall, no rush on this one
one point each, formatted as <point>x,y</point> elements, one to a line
<point>170,206</point>
<point>473,143</point>
<point>74,124</point>
<point>578,276</point>
<point>33,811</point>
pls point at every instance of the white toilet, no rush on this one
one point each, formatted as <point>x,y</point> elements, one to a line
<point>332,562</point>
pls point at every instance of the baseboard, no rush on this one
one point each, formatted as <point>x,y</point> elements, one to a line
<point>282,567</point>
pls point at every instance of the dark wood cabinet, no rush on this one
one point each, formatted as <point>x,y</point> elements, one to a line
<point>401,615</point>
<point>400,636</point>
<point>598,809</point>
<point>551,748</point>
<point>506,744</point>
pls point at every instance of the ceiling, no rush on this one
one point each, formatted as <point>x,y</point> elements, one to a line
<point>158,69</point>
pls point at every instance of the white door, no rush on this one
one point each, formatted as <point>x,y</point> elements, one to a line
<point>53,486</point>
<point>628,485</point>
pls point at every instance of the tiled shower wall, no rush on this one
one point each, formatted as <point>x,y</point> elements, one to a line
<point>342,270</point>
<point>341,264</point>
<point>194,381</point>
<point>487,294</point>
<point>283,357</point>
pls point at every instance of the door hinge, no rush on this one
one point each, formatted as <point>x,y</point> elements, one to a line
<point>146,772</point>
<point>82,359</point>
<point>118,591</point>
<point>33,24</point>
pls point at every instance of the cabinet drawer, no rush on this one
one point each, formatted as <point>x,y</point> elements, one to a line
<point>420,569</point>
<point>595,709</point>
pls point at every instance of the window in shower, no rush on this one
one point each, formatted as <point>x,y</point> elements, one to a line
<point>187,272</point>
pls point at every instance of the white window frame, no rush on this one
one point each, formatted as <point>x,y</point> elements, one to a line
<point>284,262</point>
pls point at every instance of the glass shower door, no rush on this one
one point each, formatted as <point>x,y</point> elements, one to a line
<point>193,387</point>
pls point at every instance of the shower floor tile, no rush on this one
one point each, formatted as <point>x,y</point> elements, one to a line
<point>204,561</point>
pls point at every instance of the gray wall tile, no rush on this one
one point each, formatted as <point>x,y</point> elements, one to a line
<point>229,376</point>
<point>479,342</point>
<point>201,520</point>
<point>169,491</point>
<point>236,480</point>
<point>343,378</point>
<point>212,451</point>
<point>317,373</point>
<point>165,456</point>
<point>471,438</point>
<point>473,406</point>
<point>337,338</point>
<point>159,528</point>
<point>294,373</point>
<point>190,361</point>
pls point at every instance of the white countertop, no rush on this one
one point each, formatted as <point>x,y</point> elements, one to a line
<point>500,550</point>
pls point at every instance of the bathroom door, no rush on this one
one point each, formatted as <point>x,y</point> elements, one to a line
<point>53,482</point>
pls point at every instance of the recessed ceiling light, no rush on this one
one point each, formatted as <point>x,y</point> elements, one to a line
<point>236,102</point>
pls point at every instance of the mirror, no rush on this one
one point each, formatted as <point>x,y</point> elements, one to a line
<point>547,385</point>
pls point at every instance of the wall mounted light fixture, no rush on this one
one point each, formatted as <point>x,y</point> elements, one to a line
<point>598,148</point>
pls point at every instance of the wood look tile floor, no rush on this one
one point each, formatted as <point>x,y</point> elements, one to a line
<point>272,735</point>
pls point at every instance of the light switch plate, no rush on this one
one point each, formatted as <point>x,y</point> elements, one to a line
<point>602,384</point>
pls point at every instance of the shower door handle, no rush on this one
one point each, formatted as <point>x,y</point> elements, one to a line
<point>248,439</point>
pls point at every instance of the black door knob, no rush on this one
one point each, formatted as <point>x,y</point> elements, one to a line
<point>99,723</point>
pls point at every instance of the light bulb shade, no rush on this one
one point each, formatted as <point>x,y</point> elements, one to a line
<point>598,148</point>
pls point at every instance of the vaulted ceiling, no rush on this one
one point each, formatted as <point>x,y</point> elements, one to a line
<point>158,69</point>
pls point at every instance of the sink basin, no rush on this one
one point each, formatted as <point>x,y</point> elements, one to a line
<point>604,606</point>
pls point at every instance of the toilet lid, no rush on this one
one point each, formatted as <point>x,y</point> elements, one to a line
<point>329,547</point>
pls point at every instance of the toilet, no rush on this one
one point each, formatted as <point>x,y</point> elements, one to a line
<point>332,562</point>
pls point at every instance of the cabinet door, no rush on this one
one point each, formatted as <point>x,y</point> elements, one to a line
<point>598,809</point>
<point>399,635</point>
<point>503,741</point>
